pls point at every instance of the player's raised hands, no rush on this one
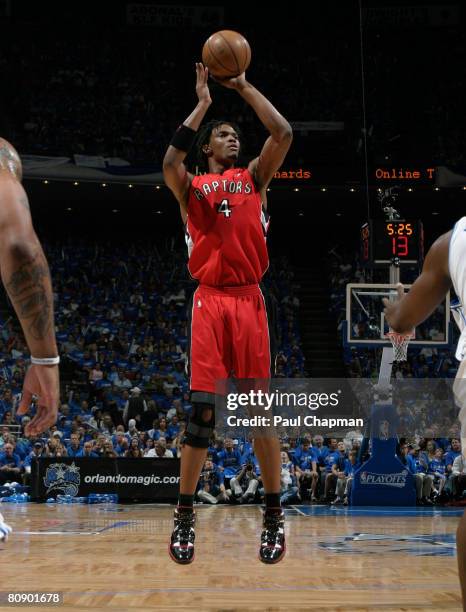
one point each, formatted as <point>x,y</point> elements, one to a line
<point>233,82</point>
<point>202,88</point>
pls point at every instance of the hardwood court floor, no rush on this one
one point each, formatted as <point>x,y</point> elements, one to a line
<point>338,559</point>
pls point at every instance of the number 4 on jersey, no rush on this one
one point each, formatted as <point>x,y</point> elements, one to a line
<point>224,208</point>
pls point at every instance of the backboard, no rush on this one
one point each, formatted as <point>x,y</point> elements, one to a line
<point>366,324</point>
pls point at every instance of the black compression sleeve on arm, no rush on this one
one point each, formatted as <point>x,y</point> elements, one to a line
<point>183,138</point>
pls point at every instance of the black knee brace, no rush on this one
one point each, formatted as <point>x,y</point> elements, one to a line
<point>200,426</point>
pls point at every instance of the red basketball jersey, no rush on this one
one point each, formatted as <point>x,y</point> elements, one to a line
<point>226,230</point>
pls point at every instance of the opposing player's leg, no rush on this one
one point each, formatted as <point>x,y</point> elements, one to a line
<point>205,367</point>
<point>252,329</point>
<point>461,551</point>
<point>5,530</point>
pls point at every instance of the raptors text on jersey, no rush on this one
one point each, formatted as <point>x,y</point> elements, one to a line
<point>226,229</point>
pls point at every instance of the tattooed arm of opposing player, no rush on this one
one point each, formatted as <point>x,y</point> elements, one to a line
<point>24,270</point>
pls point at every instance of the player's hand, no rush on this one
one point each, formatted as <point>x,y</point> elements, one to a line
<point>391,306</point>
<point>202,89</point>
<point>232,83</point>
<point>43,382</point>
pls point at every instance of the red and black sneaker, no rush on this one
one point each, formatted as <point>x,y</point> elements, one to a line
<point>181,548</point>
<point>273,545</point>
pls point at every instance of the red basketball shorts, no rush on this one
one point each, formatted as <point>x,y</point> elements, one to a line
<point>228,336</point>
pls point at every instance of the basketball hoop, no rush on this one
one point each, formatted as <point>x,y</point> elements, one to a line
<point>400,344</point>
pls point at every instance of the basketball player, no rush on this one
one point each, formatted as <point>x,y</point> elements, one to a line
<point>224,212</point>
<point>26,278</point>
<point>445,265</point>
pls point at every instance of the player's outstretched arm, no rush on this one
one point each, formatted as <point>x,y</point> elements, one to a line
<point>174,171</point>
<point>428,291</point>
<point>277,145</point>
<point>26,277</point>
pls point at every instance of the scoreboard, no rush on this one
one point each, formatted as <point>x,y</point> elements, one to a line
<point>387,242</point>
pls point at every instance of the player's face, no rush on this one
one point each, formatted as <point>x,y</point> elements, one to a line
<point>224,143</point>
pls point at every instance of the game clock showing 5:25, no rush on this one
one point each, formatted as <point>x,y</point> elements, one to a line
<point>387,242</point>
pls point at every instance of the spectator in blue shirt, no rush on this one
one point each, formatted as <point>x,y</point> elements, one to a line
<point>113,375</point>
<point>74,446</point>
<point>211,487</point>
<point>23,445</point>
<point>87,451</point>
<point>437,469</point>
<point>120,442</point>
<point>6,401</point>
<point>337,474</point>
<point>289,492</point>
<point>304,450</point>
<point>244,484</point>
<point>305,462</point>
<point>10,464</point>
<point>415,463</point>
<point>229,460</point>
<point>347,467</point>
<point>215,449</point>
<point>173,427</point>
<point>320,450</point>
<point>326,464</point>
<point>36,452</point>
<point>104,382</point>
<point>451,455</point>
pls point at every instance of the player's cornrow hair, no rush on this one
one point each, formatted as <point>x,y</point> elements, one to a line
<point>199,162</point>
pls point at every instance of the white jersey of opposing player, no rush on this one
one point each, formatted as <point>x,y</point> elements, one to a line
<point>457,267</point>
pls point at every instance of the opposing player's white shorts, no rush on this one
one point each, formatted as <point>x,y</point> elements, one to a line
<point>5,530</point>
<point>459,389</point>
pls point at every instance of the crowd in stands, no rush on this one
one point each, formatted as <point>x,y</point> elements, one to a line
<point>123,94</point>
<point>121,329</point>
<point>121,314</point>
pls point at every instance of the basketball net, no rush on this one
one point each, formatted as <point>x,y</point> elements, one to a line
<point>400,344</point>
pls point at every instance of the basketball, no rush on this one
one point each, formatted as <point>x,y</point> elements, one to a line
<point>226,53</point>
